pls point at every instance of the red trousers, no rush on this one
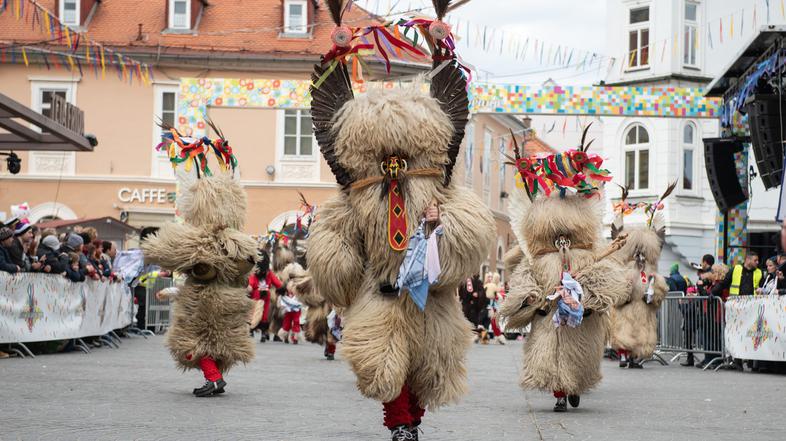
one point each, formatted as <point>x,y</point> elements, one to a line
<point>404,410</point>
<point>291,322</point>
<point>495,327</point>
<point>265,297</point>
<point>209,368</point>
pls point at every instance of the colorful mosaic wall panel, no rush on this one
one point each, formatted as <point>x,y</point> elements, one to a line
<point>587,100</point>
<point>198,93</point>
<point>738,218</point>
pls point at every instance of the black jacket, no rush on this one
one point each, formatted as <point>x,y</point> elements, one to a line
<point>6,264</point>
<point>17,253</point>
<point>746,282</point>
<point>65,261</point>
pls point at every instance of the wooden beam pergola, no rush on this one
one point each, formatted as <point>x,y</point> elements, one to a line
<point>51,136</point>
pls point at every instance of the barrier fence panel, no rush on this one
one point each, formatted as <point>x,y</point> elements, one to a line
<point>692,324</point>
<point>157,315</point>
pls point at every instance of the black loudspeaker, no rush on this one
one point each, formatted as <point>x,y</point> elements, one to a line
<point>765,118</point>
<point>722,172</point>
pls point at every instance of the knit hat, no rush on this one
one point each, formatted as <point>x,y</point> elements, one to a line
<point>21,228</point>
<point>51,242</point>
<point>74,240</point>
<point>5,233</point>
<point>675,268</point>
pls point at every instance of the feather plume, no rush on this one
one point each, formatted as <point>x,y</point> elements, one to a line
<point>441,7</point>
<point>167,127</point>
<point>215,128</point>
<point>669,191</point>
<point>585,147</point>
<point>336,8</point>
<point>625,192</point>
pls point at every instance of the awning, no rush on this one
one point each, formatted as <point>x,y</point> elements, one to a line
<point>50,136</point>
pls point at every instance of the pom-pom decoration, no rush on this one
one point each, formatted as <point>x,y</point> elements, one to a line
<point>439,30</point>
<point>342,36</point>
<point>190,151</point>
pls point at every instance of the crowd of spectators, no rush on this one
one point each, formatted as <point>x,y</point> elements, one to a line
<point>78,255</point>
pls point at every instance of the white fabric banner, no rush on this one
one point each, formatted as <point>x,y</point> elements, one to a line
<point>756,327</point>
<point>42,307</point>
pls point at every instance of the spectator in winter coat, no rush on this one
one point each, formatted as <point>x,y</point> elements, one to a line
<point>73,245</point>
<point>6,239</point>
<point>48,252</point>
<point>676,281</point>
<point>23,236</point>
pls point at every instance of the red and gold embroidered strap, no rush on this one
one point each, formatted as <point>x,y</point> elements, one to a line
<point>397,218</point>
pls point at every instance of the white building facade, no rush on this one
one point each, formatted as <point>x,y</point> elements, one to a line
<point>676,43</point>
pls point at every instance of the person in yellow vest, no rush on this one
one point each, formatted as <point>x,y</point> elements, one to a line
<point>743,279</point>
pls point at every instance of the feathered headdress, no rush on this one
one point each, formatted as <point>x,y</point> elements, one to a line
<point>190,151</point>
<point>575,170</point>
<point>624,208</point>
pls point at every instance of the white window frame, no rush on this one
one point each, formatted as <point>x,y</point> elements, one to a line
<point>159,165</point>
<point>469,155</point>
<point>171,19</point>
<point>693,25</point>
<point>638,28</point>
<point>288,20</point>
<point>295,168</point>
<point>694,146</point>
<point>488,141</point>
<point>78,11</point>
<point>502,172</point>
<point>68,167</point>
<point>637,148</point>
<point>282,135</point>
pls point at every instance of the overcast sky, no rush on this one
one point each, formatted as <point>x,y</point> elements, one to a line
<point>577,24</point>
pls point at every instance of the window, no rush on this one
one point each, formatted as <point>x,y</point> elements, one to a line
<point>69,12</point>
<point>179,14</point>
<point>469,154</point>
<point>639,38</point>
<point>298,133</point>
<point>488,138</point>
<point>295,17</point>
<point>166,110</point>
<point>688,149</point>
<point>637,158</point>
<point>51,163</point>
<point>690,37</point>
<point>502,171</point>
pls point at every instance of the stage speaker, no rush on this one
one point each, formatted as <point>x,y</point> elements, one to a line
<point>722,172</point>
<point>765,118</point>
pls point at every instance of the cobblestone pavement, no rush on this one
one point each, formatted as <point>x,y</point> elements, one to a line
<point>292,393</point>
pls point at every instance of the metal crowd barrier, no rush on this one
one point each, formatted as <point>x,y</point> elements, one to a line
<point>692,324</point>
<point>157,315</point>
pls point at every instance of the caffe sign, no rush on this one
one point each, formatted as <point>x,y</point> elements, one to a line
<point>146,195</point>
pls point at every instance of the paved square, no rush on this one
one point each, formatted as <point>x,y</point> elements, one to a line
<point>292,393</point>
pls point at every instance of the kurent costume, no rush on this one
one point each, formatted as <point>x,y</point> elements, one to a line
<point>555,214</point>
<point>260,284</point>
<point>372,251</point>
<point>634,331</point>
<point>210,314</point>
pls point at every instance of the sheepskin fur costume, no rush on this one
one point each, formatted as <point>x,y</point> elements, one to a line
<point>561,358</point>
<point>634,323</point>
<point>211,311</point>
<point>387,340</point>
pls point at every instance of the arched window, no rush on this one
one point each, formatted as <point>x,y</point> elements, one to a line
<point>688,152</point>
<point>637,158</point>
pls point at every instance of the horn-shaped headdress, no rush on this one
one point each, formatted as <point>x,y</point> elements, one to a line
<point>331,86</point>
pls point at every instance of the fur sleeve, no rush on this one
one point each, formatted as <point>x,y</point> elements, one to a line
<point>523,286</point>
<point>334,256</point>
<point>661,289</point>
<point>512,258</point>
<point>469,232</point>
<point>605,283</point>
